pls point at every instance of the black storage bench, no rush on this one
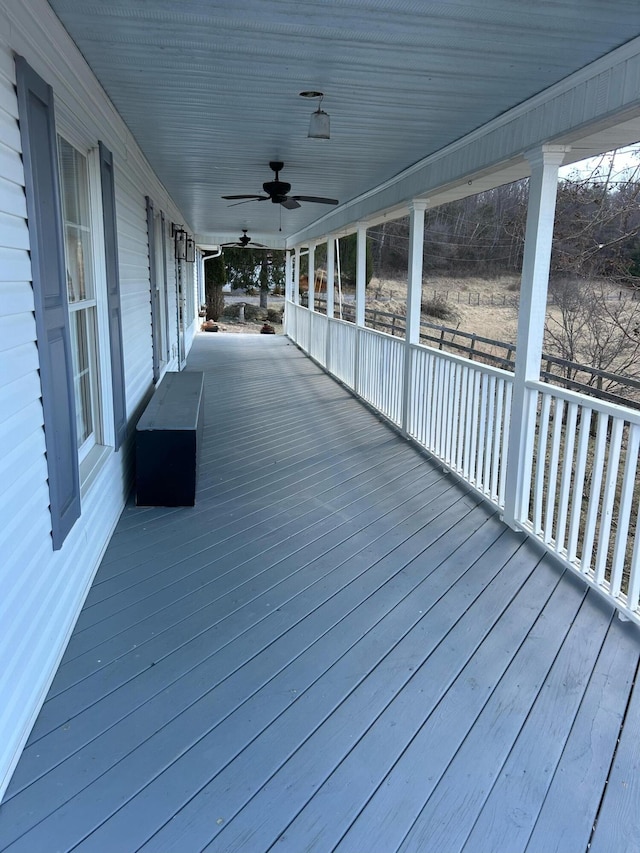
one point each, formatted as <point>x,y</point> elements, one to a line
<point>168,436</point>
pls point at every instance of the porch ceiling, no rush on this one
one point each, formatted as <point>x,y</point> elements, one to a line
<point>211,90</point>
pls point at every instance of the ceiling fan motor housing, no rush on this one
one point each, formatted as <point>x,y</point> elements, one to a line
<point>276,190</point>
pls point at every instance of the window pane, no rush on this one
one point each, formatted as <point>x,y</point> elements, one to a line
<point>75,204</point>
<point>78,246</point>
<point>81,323</point>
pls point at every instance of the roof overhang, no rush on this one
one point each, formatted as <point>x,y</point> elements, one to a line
<point>423,98</point>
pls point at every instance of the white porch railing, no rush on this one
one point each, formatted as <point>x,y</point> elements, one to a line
<point>317,336</point>
<point>581,490</point>
<point>341,356</point>
<point>381,371</point>
<point>459,411</point>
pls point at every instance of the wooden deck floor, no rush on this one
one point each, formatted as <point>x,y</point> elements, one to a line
<point>338,648</point>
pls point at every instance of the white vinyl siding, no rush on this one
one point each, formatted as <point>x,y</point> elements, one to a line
<point>25,525</point>
<point>42,590</point>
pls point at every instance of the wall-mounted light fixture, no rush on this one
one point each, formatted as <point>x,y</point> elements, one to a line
<point>190,255</point>
<point>180,239</point>
<point>319,123</point>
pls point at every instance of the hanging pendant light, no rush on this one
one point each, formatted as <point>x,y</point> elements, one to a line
<point>319,123</point>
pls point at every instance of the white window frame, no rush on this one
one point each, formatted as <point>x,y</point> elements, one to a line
<point>93,454</point>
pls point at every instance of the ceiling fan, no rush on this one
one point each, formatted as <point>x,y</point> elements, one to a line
<point>277,192</point>
<point>244,241</point>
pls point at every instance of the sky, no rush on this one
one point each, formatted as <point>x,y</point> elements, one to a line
<point>626,166</point>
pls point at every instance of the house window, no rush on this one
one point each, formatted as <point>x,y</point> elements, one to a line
<point>81,291</point>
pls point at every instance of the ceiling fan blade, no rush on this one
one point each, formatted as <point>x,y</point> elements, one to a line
<point>315,198</point>
<point>247,200</point>
<point>254,196</point>
<point>290,204</point>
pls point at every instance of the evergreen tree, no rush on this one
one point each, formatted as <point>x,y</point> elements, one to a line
<point>348,259</point>
<point>215,277</point>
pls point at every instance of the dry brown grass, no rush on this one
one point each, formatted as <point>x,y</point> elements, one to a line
<point>496,320</point>
<point>491,321</point>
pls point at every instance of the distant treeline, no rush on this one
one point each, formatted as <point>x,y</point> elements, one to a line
<point>596,233</point>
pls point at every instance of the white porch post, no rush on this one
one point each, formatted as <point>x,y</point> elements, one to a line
<point>543,184</point>
<point>331,262</point>
<point>288,276</point>
<point>361,282</point>
<point>288,288</point>
<point>202,285</point>
<point>414,298</point>
<point>296,277</point>
<point>311,294</point>
<point>361,272</point>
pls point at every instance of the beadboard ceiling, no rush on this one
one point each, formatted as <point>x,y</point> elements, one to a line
<point>210,88</point>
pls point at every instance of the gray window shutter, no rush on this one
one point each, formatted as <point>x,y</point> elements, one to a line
<point>44,213</point>
<point>113,294</point>
<point>165,278</point>
<point>153,278</point>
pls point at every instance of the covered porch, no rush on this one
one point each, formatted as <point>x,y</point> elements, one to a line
<point>340,647</point>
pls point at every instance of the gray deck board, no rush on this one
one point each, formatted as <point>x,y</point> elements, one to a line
<point>337,648</point>
<point>256,588</point>
<point>618,825</point>
<point>155,679</point>
<point>565,819</point>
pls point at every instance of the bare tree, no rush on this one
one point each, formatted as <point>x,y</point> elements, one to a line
<point>597,224</point>
<point>590,327</point>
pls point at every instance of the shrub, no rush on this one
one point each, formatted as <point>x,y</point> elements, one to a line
<point>274,315</point>
<point>439,309</point>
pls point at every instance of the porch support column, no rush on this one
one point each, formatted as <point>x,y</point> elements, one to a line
<point>311,303</point>
<point>361,282</point>
<point>414,298</point>
<point>202,284</point>
<point>288,276</point>
<point>288,288</point>
<point>331,262</point>
<point>296,277</point>
<point>361,272</point>
<point>543,185</point>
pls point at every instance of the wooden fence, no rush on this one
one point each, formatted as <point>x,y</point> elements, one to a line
<point>600,384</point>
